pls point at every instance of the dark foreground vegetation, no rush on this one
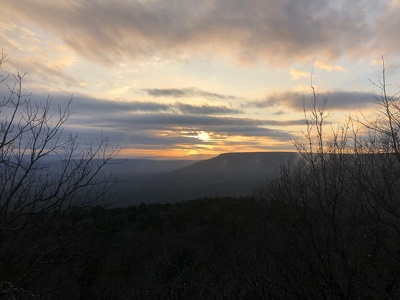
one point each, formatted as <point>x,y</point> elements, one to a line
<point>222,248</point>
<point>325,227</point>
<point>202,249</point>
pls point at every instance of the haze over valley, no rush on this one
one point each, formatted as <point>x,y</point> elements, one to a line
<point>230,174</point>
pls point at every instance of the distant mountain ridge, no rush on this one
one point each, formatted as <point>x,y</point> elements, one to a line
<point>250,163</point>
<point>140,166</point>
<point>229,174</point>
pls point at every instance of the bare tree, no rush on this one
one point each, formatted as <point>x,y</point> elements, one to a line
<point>34,191</point>
<point>340,205</point>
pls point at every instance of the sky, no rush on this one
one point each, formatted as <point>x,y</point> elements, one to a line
<point>193,79</point>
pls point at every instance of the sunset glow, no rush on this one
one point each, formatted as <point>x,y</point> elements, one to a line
<point>198,78</point>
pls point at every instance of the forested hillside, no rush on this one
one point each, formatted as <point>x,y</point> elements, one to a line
<point>215,248</point>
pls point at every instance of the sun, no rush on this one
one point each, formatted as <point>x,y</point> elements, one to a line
<point>204,136</point>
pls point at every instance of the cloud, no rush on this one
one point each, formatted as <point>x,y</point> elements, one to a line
<point>186,93</point>
<point>51,74</point>
<point>204,109</point>
<point>165,120</point>
<point>297,74</point>
<point>337,100</point>
<point>275,31</point>
<point>48,60</point>
<point>108,107</point>
<point>154,124</point>
<point>150,125</point>
<point>328,67</point>
<point>83,105</point>
<point>165,131</point>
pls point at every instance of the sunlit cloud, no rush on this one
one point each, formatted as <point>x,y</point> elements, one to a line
<point>167,30</point>
<point>298,74</point>
<point>394,2</point>
<point>376,62</point>
<point>328,67</point>
<point>204,136</point>
<point>46,65</point>
<point>52,75</point>
<point>304,89</point>
<point>201,135</point>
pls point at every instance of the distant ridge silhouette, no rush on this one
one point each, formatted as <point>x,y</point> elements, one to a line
<point>228,174</point>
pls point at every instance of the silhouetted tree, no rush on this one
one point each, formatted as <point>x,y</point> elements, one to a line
<point>36,194</point>
<point>340,206</point>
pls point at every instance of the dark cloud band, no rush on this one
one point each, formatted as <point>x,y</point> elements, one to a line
<point>186,93</point>
<point>338,100</point>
